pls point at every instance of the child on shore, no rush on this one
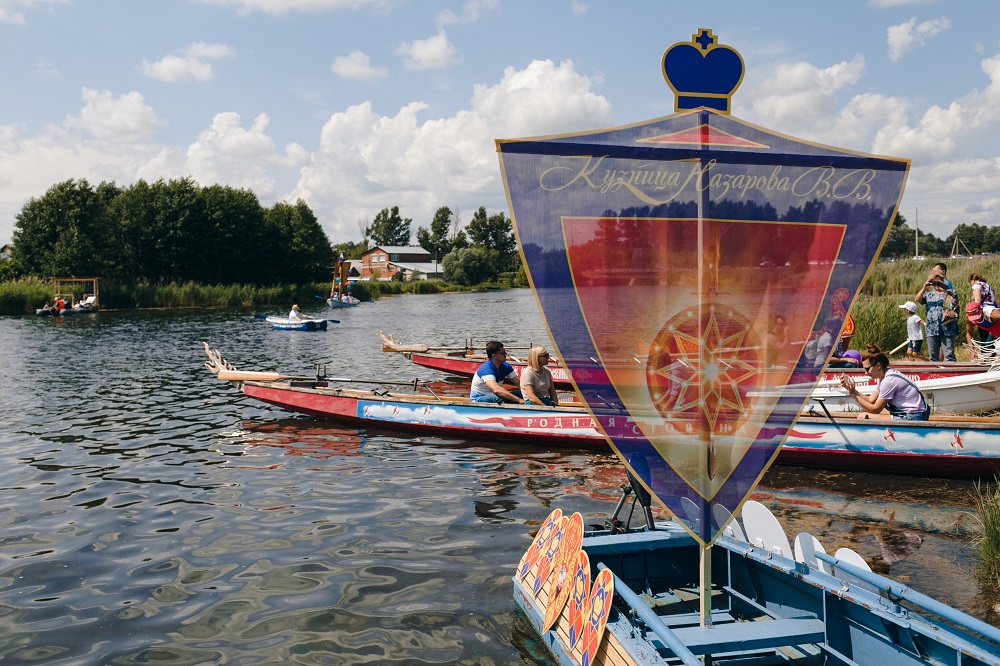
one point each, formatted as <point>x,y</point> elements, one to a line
<point>914,332</point>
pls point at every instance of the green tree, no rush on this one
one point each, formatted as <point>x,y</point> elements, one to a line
<point>64,232</point>
<point>496,233</point>
<point>470,266</point>
<point>301,246</point>
<point>350,249</point>
<point>236,246</point>
<point>437,241</point>
<point>389,228</point>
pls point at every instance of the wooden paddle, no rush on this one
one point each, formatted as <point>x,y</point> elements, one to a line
<point>252,376</point>
<point>905,342</point>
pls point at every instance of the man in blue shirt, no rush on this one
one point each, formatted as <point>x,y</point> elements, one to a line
<point>487,383</point>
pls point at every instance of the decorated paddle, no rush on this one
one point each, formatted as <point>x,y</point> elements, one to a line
<point>539,544</point>
<point>561,577</point>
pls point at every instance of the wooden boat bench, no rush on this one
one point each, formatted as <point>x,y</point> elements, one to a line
<point>738,636</point>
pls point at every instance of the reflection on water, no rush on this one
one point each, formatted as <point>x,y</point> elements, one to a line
<point>150,513</point>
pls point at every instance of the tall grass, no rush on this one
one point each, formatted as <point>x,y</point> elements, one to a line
<point>24,296</point>
<point>986,544</point>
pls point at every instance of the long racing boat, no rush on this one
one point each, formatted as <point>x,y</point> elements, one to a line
<point>964,446</point>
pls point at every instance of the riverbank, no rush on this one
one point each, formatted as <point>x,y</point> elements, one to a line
<point>24,296</point>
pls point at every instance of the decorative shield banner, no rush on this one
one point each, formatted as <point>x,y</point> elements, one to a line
<point>664,256</point>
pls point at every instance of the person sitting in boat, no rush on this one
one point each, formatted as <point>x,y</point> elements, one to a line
<point>295,315</point>
<point>845,359</point>
<point>826,340</point>
<point>537,386</point>
<point>487,383</point>
<point>60,305</point>
<point>893,391</point>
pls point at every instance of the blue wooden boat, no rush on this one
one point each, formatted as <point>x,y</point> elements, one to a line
<point>800,606</point>
<point>285,324</point>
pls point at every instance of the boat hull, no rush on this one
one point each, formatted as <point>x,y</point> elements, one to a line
<point>338,304</point>
<point>65,312</point>
<point>280,324</point>
<point>466,366</point>
<point>966,447</point>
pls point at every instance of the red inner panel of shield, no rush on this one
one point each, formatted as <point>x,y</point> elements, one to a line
<point>692,300</point>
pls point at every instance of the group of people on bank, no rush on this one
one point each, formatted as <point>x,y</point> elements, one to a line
<point>940,328</point>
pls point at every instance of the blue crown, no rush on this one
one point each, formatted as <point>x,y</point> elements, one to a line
<point>702,72</point>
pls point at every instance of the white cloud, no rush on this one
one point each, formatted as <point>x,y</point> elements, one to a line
<point>13,11</point>
<point>123,119</point>
<point>189,64</point>
<point>366,162</point>
<point>793,95</point>
<point>357,66</point>
<point>277,7</point>
<point>432,53</point>
<point>228,154</point>
<point>578,7</point>
<point>905,37</point>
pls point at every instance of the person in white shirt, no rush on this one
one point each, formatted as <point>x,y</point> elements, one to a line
<point>295,315</point>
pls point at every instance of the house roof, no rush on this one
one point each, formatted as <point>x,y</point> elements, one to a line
<point>400,249</point>
<point>419,266</point>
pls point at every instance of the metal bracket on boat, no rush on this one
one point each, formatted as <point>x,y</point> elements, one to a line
<point>321,372</point>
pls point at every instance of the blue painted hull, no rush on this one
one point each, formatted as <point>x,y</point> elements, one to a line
<point>764,606</point>
<point>280,324</point>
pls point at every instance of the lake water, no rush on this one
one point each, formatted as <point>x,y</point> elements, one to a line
<point>150,513</point>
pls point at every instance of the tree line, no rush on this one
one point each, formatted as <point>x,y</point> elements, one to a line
<point>178,231</point>
<point>903,241</point>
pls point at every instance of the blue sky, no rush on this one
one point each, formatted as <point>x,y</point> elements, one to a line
<point>358,105</point>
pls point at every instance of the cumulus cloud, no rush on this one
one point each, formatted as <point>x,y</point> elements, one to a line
<point>432,53</point>
<point>230,154</point>
<point>905,37</point>
<point>792,95</point>
<point>190,63</point>
<point>367,161</point>
<point>13,11</point>
<point>277,7</point>
<point>122,119</point>
<point>357,66</point>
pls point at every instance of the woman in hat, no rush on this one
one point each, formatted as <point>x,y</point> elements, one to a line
<point>893,391</point>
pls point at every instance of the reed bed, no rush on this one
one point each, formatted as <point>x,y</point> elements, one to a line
<point>986,544</point>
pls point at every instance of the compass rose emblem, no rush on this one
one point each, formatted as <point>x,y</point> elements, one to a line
<point>701,367</point>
